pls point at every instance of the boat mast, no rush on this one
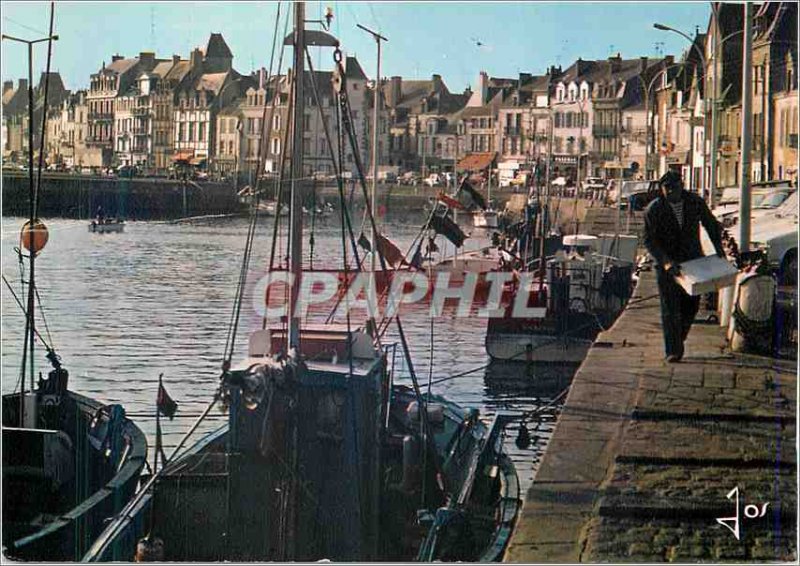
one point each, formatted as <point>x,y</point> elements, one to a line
<point>296,213</point>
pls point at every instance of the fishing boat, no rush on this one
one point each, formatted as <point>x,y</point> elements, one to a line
<point>69,462</point>
<point>486,216</point>
<point>580,291</point>
<point>107,226</point>
<point>324,455</point>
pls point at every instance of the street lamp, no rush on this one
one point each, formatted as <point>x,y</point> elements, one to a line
<point>704,62</point>
<point>648,126</point>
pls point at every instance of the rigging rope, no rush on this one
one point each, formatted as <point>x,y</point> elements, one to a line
<point>233,326</point>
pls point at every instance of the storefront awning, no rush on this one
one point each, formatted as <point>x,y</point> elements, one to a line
<point>183,155</point>
<point>476,162</point>
<point>198,160</point>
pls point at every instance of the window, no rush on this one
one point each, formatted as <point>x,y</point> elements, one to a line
<point>558,119</point>
<point>181,131</point>
<point>201,131</point>
<point>307,121</point>
<point>222,148</point>
<point>276,122</point>
<point>276,146</point>
<point>629,124</point>
<point>191,131</point>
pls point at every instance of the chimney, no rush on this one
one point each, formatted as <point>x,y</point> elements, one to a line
<point>642,64</point>
<point>615,62</point>
<point>262,77</point>
<point>395,91</point>
<point>581,67</point>
<point>669,60</point>
<point>196,58</point>
<point>554,71</point>
<point>176,59</point>
<point>437,82</point>
<point>8,85</point>
<point>524,78</point>
<point>23,84</point>
<point>116,57</point>
<point>483,86</point>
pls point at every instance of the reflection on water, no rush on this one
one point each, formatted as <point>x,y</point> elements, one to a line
<point>123,308</point>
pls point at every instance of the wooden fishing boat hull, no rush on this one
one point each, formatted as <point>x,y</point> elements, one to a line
<point>191,503</point>
<point>65,474</point>
<point>109,228</point>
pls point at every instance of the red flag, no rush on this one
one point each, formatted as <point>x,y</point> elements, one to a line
<point>450,201</point>
<point>390,251</point>
<point>165,404</point>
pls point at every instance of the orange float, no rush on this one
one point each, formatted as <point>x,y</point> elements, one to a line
<point>34,238</point>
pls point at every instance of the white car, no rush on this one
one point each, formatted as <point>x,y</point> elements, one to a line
<point>777,232</point>
<point>593,185</point>
<point>762,203</point>
<point>432,180</point>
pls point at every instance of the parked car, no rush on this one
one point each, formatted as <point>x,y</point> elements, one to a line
<point>637,194</point>
<point>409,178</point>
<point>432,180</point>
<point>777,232</point>
<point>593,186</point>
<point>761,205</point>
<point>202,176</point>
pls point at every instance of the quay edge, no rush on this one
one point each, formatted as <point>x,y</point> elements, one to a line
<point>645,453</point>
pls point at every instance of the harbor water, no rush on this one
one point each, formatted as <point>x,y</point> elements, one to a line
<point>120,309</point>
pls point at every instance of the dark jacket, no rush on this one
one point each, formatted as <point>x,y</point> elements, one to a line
<point>667,241</point>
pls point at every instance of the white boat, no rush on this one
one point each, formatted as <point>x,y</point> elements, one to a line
<point>539,348</point>
<point>270,207</point>
<point>485,218</point>
<point>107,226</point>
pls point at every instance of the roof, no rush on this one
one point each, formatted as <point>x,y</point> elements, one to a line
<point>121,66</point>
<point>8,95</point>
<point>353,70</point>
<point>476,161</point>
<point>217,47</point>
<point>211,81</point>
<point>178,71</point>
<point>162,69</point>
<point>475,111</point>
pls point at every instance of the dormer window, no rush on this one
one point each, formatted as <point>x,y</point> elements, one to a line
<point>560,93</point>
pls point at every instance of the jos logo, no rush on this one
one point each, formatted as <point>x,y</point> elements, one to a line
<point>751,511</point>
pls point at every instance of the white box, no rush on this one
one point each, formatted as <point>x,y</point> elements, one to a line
<point>706,275</point>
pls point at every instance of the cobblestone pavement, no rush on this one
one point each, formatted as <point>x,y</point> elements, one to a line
<point>645,453</point>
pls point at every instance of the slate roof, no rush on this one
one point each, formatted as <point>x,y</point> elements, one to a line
<point>217,47</point>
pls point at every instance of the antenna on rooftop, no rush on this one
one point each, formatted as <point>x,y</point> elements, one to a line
<point>153,26</point>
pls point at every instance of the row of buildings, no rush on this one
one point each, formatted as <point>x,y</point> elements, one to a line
<point>628,117</point>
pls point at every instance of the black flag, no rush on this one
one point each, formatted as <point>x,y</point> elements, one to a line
<point>469,197</point>
<point>446,227</point>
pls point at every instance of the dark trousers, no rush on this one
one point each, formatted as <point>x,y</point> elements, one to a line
<point>678,310</point>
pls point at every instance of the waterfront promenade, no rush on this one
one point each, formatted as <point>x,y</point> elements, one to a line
<point>645,453</point>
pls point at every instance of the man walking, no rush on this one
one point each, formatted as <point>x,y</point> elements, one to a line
<point>672,236</point>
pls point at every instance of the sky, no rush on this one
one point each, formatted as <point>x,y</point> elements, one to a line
<point>454,39</point>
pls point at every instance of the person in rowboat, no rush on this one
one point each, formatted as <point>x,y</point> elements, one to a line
<point>672,236</point>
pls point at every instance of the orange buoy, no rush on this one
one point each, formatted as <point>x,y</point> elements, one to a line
<point>34,238</point>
